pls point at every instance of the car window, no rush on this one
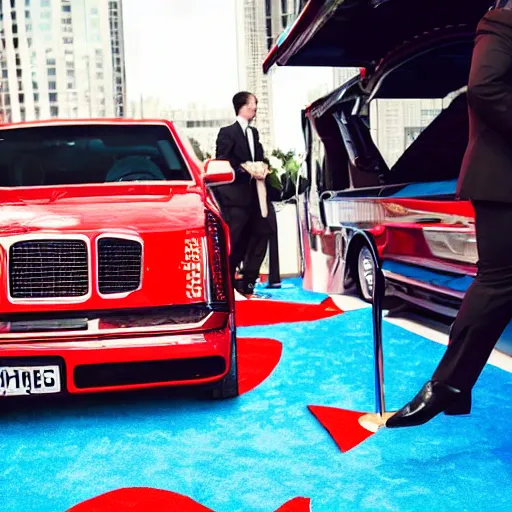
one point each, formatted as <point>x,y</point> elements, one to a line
<point>437,152</point>
<point>187,143</point>
<point>397,123</point>
<point>78,154</point>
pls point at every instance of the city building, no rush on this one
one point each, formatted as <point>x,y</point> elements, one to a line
<point>395,124</point>
<point>202,124</point>
<point>335,79</point>
<point>342,75</point>
<point>280,14</point>
<point>115,16</point>
<point>251,24</point>
<point>61,58</point>
<point>149,107</point>
<point>259,24</point>
<point>196,121</point>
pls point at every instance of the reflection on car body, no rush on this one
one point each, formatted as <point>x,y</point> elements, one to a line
<point>425,237</point>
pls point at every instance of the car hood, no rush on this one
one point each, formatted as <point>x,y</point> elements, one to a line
<point>138,208</point>
<point>170,221</point>
<point>359,33</point>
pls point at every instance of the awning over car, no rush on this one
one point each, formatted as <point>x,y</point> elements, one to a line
<point>359,33</point>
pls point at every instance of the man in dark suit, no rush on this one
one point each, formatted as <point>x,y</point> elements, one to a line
<point>249,231</point>
<point>485,179</point>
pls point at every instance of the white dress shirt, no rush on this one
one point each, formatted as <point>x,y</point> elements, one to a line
<point>249,133</point>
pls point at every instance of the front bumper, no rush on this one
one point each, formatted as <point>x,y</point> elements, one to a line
<point>128,363</point>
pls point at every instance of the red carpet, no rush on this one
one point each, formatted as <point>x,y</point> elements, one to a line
<point>145,499</point>
<point>343,425</point>
<point>296,505</point>
<point>257,358</point>
<point>269,312</point>
<point>140,499</point>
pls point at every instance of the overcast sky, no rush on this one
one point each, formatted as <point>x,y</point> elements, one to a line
<point>181,50</point>
<point>184,51</point>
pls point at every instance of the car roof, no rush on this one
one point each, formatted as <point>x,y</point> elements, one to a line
<point>85,121</point>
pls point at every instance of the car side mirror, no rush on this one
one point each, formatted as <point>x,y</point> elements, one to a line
<point>218,172</point>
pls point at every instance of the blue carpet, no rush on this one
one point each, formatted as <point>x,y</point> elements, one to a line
<point>291,291</point>
<point>455,282</point>
<point>257,452</point>
<point>433,188</point>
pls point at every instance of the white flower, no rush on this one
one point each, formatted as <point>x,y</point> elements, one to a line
<point>276,164</point>
<point>257,170</point>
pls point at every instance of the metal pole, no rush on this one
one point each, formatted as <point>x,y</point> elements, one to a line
<point>378,295</point>
<point>377,299</point>
<point>299,219</point>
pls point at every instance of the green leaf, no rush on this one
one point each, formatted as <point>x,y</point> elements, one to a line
<point>273,179</point>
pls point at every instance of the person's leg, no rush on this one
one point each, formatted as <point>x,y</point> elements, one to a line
<point>485,312</point>
<point>241,256</point>
<point>256,253</point>
<point>237,219</point>
<point>487,306</point>
<point>260,231</point>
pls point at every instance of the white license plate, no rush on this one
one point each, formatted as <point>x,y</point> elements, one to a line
<point>29,380</point>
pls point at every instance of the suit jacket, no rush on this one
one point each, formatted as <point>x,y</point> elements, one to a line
<point>486,172</point>
<point>232,145</point>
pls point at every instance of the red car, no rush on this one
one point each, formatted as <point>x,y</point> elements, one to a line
<point>113,261</point>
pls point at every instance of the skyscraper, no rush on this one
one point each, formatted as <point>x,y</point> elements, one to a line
<point>61,58</point>
<point>115,15</point>
<point>259,24</point>
<point>252,50</point>
<point>280,14</point>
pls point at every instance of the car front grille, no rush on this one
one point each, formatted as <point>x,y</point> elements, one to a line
<point>119,265</point>
<point>45,269</point>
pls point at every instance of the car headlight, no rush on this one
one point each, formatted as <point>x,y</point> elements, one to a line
<point>450,244</point>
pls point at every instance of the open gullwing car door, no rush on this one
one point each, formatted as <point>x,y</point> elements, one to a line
<point>359,33</point>
<point>418,49</point>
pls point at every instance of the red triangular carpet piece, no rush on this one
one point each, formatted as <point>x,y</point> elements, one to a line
<point>140,499</point>
<point>296,505</point>
<point>270,312</point>
<point>257,358</point>
<point>343,425</point>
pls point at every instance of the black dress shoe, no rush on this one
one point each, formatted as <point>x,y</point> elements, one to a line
<point>460,406</point>
<point>435,397</point>
<point>247,289</point>
<point>274,286</point>
<point>244,288</point>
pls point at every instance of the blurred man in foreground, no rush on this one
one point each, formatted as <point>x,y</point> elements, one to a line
<point>485,179</point>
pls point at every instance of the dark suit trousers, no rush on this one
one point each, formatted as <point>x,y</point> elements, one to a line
<point>249,238</point>
<point>262,234</point>
<point>487,306</point>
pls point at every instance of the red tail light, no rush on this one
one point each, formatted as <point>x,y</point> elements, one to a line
<point>218,258</point>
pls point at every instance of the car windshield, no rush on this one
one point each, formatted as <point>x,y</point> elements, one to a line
<point>79,154</point>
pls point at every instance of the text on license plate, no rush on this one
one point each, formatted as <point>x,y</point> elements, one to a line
<point>29,380</point>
